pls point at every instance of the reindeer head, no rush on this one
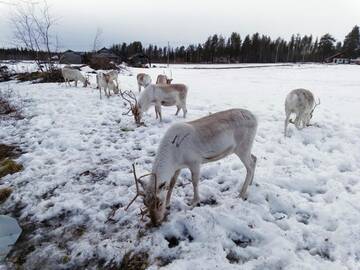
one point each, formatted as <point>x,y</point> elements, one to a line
<point>316,104</point>
<point>116,89</point>
<point>153,198</point>
<point>130,98</point>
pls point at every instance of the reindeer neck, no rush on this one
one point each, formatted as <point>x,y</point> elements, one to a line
<point>164,166</point>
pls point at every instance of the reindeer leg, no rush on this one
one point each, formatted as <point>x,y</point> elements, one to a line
<point>172,184</point>
<point>184,110</point>
<point>249,162</point>
<point>195,175</point>
<point>178,109</point>
<point>286,124</point>
<point>158,105</point>
<point>297,121</point>
<point>156,111</point>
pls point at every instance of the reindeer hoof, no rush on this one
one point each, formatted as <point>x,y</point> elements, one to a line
<point>243,196</point>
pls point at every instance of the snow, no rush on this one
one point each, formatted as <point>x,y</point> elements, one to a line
<point>302,210</point>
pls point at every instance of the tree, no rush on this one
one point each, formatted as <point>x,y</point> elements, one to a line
<point>352,43</point>
<point>33,25</point>
<point>326,46</point>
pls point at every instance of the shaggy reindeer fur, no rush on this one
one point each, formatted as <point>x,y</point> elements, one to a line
<point>163,79</point>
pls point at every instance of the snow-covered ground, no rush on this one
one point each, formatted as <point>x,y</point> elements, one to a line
<point>302,211</point>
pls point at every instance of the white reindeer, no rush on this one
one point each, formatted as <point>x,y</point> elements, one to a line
<point>113,87</point>
<point>114,74</point>
<point>72,74</point>
<point>103,81</point>
<point>301,102</point>
<point>188,145</point>
<point>163,95</point>
<point>163,79</point>
<point>143,80</point>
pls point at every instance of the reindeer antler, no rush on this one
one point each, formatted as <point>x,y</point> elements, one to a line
<point>137,180</point>
<point>130,97</point>
<point>316,104</point>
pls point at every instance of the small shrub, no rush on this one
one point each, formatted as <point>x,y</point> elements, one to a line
<point>4,194</point>
<point>8,166</point>
<point>7,108</point>
<point>54,75</point>
<point>137,261</point>
<point>101,63</point>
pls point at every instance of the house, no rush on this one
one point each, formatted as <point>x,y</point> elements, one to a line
<point>71,57</point>
<point>106,55</point>
<point>139,60</point>
<point>338,58</point>
<point>341,60</point>
<point>356,61</point>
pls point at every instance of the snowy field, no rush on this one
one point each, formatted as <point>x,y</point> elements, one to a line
<point>302,211</point>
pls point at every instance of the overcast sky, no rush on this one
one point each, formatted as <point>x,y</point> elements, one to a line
<point>190,21</point>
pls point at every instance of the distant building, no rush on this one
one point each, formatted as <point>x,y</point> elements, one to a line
<point>107,55</point>
<point>341,61</point>
<point>338,58</point>
<point>139,60</point>
<point>356,61</point>
<point>71,57</point>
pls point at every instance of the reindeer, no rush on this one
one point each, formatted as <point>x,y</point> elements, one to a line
<point>163,79</point>
<point>143,80</point>
<point>188,145</point>
<point>130,98</point>
<point>72,74</point>
<point>114,74</point>
<point>103,81</point>
<point>302,103</point>
<point>163,95</point>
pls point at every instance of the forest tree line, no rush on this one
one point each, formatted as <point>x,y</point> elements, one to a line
<point>254,48</point>
<point>251,49</point>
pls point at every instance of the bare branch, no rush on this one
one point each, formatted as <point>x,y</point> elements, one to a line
<point>97,39</point>
<point>32,24</point>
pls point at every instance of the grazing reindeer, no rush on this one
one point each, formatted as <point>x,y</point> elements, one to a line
<point>163,79</point>
<point>103,81</point>
<point>143,80</point>
<point>188,145</point>
<point>302,103</point>
<point>113,87</point>
<point>114,74</point>
<point>130,98</point>
<point>72,74</point>
<point>163,95</point>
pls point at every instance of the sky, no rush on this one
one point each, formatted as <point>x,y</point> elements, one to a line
<point>183,22</point>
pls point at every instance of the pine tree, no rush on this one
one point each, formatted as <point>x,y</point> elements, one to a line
<point>352,43</point>
<point>326,46</point>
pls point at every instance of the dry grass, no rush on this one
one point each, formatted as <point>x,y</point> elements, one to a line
<point>7,106</point>
<point>137,261</point>
<point>41,77</point>
<point>8,166</point>
<point>4,194</point>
